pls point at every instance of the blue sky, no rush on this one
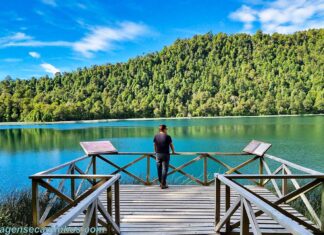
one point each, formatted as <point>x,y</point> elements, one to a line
<point>41,37</point>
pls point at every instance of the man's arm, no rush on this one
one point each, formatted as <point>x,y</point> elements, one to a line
<point>172,148</point>
<point>154,147</point>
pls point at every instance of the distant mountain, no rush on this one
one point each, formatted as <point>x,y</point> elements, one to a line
<point>207,75</point>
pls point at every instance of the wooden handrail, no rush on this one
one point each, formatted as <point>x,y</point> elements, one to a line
<point>84,204</point>
<point>255,176</point>
<point>62,165</point>
<point>285,221</point>
<point>293,165</point>
<point>142,153</point>
<point>70,176</point>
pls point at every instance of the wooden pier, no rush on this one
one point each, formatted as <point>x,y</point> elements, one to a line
<point>222,204</point>
<point>181,210</point>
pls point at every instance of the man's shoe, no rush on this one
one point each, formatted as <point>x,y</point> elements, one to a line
<point>164,186</point>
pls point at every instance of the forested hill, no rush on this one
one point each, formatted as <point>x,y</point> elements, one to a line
<point>207,75</point>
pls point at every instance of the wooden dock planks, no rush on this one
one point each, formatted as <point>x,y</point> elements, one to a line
<point>180,210</point>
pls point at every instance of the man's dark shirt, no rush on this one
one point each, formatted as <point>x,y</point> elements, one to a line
<point>162,142</point>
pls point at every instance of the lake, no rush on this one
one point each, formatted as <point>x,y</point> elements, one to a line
<point>28,149</point>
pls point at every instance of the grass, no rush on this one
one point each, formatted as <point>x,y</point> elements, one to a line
<point>16,208</point>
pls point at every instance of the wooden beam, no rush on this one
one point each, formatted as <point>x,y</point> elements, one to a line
<point>87,219</point>
<point>35,203</point>
<point>288,223</point>
<point>81,203</point>
<point>261,170</point>
<point>94,218</point>
<point>72,183</point>
<point>122,169</point>
<point>217,200</point>
<point>253,221</point>
<point>273,173</point>
<point>227,206</point>
<point>273,181</point>
<point>322,208</point>
<point>53,200</point>
<point>272,176</point>
<point>109,207</point>
<point>304,199</point>
<point>69,176</point>
<point>148,170</point>
<point>75,202</point>
<point>94,167</point>
<point>60,166</point>
<point>293,165</point>
<point>244,229</point>
<point>280,210</point>
<point>284,183</point>
<point>55,191</point>
<point>226,217</point>
<point>185,154</point>
<point>108,217</point>
<point>205,170</point>
<point>229,167</point>
<point>84,173</point>
<point>289,197</point>
<point>117,202</point>
<point>241,165</point>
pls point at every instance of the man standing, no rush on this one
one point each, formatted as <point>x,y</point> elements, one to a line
<point>162,143</point>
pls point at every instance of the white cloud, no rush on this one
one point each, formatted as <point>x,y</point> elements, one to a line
<point>34,54</point>
<point>50,2</point>
<point>99,39</point>
<point>102,38</point>
<point>14,38</point>
<point>12,60</point>
<point>283,16</point>
<point>50,68</point>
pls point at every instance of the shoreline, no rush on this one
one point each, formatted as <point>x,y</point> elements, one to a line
<point>148,119</point>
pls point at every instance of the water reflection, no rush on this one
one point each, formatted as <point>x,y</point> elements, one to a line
<point>29,149</point>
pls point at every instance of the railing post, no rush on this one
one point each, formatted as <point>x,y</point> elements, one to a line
<point>227,206</point>
<point>148,170</point>
<point>322,207</point>
<point>94,167</point>
<point>72,183</point>
<point>109,207</point>
<point>94,219</point>
<point>244,220</point>
<point>284,182</point>
<point>217,200</point>
<point>117,204</point>
<point>205,171</point>
<point>35,203</point>
<point>261,170</point>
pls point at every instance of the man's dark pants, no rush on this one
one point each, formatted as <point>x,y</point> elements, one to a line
<point>162,162</point>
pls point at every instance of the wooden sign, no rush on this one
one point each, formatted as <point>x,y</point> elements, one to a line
<point>257,147</point>
<point>98,147</point>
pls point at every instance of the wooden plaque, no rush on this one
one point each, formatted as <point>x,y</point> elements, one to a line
<point>257,147</point>
<point>98,147</point>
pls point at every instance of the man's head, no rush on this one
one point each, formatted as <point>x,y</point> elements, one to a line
<point>163,128</point>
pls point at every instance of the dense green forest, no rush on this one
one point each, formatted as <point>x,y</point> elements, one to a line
<point>207,75</point>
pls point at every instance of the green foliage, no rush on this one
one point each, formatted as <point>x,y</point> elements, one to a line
<point>16,208</point>
<point>207,75</point>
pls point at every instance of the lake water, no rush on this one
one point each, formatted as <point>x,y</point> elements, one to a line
<point>28,149</point>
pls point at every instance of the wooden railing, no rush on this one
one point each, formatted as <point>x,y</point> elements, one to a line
<point>145,177</point>
<point>295,182</point>
<point>79,187</point>
<point>83,200</point>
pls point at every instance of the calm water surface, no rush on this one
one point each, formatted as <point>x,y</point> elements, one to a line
<point>27,149</point>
